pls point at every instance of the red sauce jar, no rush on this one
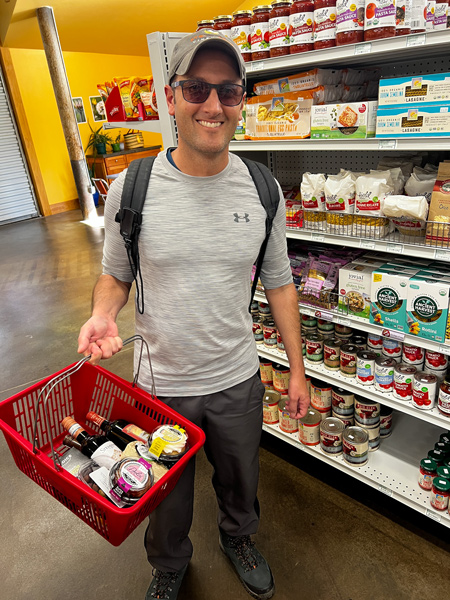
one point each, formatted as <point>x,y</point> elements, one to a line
<point>349,22</point>
<point>380,19</point>
<point>240,32</point>
<point>205,25</point>
<point>222,23</point>
<point>259,32</point>
<point>324,24</point>
<point>419,16</point>
<point>301,26</point>
<point>403,17</point>
<point>427,472</point>
<point>279,28</point>
<point>440,493</point>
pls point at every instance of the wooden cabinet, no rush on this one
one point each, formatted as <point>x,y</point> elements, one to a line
<point>111,164</point>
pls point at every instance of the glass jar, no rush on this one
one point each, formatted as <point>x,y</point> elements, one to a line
<point>301,26</point>
<point>431,9</point>
<point>206,24</point>
<point>324,24</point>
<point>279,28</point>
<point>380,19</point>
<point>418,16</point>
<point>349,22</point>
<point>403,17</point>
<point>437,455</point>
<point>444,398</point>
<point>259,32</point>
<point>240,32</point>
<point>440,493</point>
<point>440,15</point>
<point>427,472</point>
<point>222,23</point>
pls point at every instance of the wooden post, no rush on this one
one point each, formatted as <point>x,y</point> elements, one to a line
<point>55,60</point>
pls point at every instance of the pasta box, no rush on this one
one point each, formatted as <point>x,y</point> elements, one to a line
<point>415,89</point>
<point>388,294</point>
<point>427,307</point>
<point>352,120</point>
<point>354,289</point>
<point>413,121</point>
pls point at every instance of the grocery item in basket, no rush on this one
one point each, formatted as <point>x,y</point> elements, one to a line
<point>98,447</point>
<point>313,192</point>
<point>300,81</point>
<point>140,450</point>
<point>371,189</point>
<point>340,193</point>
<point>168,444</point>
<point>279,117</point>
<point>130,479</point>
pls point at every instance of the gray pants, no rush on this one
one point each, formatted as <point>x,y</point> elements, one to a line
<point>232,422</point>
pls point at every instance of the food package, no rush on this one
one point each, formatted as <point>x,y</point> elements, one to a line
<point>102,91</point>
<point>340,193</point>
<point>130,99</point>
<point>145,87</point>
<point>388,162</point>
<point>397,178</point>
<point>339,224</point>
<point>388,294</point>
<point>405,206</point>
<point>354,93</point>
<point>421,183</point>
<point>355,76</point>
<point>313,191</point>
<point>370,190</point>
<point>427,307</point>
<point>420,120</point>
<point>438,228</point>
<point>316,221</point>
<point>373,228</point>
<point>354,289</point>
<point>415,89</point>
<point>279,117</point>
<point>353,120</point>
<point>300,81</point>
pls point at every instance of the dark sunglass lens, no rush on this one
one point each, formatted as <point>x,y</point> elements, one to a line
<point>195,91</point>
<point>230,95</point>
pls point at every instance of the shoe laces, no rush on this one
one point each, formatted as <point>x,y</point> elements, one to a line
<point>162,581</point>
<point>244,548</point>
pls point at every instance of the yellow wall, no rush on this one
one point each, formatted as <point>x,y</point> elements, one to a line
<point>84,71</point>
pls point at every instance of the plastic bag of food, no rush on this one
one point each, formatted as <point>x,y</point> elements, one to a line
<point>306,80</point>
<point>371,189</point>
<point>130,99</point>
<point>354,93</point>
<point>389,162</point>
<point>354,76</point>
<point>313,192</point>
<point>405,206</point>
<point>421,183</point>
<point>397,178</point>
<point>102,91</point>
<point>144,86</point>
<point>340,193</point>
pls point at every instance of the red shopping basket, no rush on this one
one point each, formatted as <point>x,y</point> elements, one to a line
<point>75,391</point>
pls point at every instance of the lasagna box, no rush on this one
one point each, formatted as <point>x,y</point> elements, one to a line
<point>420,120</point>
<point>348,120</point>
<point>416,89</point>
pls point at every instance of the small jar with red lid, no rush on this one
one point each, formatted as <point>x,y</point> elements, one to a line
<point>349,22</point>
<point>301,26</point>
<point>259,32</point>
<point>380,20</point>
<point>240,32</point>
<point>427,472</point>
<point>403,10</point>
<point>324,24</point>
<point>419,16</point>
<point>205,24</point>
<point>440,492</point>
<point>222,23</point>
<point>279,28</point>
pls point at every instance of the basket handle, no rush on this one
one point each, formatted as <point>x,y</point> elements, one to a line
<point>49,386</point>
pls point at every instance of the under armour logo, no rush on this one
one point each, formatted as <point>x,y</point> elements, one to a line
<point>237,218</point>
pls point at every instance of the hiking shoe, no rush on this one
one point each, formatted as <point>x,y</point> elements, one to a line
<point>249,564</point>
<point>165,585</point>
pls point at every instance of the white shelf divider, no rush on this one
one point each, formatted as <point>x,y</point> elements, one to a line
<point>363,145</point>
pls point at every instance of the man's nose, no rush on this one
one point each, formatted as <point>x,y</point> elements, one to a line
<point>212,103</point>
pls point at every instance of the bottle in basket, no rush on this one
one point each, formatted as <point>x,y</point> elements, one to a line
<point>98,447</point>
<point>119,431</point>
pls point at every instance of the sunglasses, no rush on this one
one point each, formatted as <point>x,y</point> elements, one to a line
<point>230,94</point>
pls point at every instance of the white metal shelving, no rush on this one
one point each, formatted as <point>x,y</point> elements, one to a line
<point>366,145</point>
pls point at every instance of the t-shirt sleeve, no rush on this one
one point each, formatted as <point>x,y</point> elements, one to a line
<point>276,268</point>
<point>115,259</point>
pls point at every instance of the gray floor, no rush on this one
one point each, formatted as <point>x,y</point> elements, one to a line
<point>326,536</point>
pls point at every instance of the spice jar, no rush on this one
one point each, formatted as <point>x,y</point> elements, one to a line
<point>427,472</point>
<point>440,15</point>
<point>349,22</point>
<point>440,492</point>
<point>259,32</point>
<point>279,28</point>
<point>418,16</point>
<point>301,26</point>
<point>324,24</point>
<point>222,23</point>
<point>403,17</point>
<point>205,24</point>
<point>240,32</point>
<point>380,19</point>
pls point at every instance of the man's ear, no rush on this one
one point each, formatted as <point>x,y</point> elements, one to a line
<point>170,99</point>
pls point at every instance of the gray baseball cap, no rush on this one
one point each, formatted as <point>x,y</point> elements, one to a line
<point>186,48</point>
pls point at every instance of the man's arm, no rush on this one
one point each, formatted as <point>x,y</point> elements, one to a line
<point>284,307</point>
<point>99,336</point>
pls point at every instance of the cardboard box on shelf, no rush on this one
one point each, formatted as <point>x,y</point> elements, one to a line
<point>415,89</point>
<point>438,227</point>
<point>283,117</point>
<point>352,120</point>
<point>421,120</point>
<point>388,294</point>
<point>427,307</point>
<point>354,289</point>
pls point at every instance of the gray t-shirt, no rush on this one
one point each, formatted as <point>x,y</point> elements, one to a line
<point>199,239</point>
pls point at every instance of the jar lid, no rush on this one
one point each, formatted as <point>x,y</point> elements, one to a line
<point>205,22</point>
<point>436,455</point>
<point>428,464</point>
<point>443,471</point>
<point>243,13</point>
<point>441,484</point>
<point>168,440</point>
<point>444,437</point>
<point>275,2</point>
<point>443,446</point>
<point>261,7</point>
<point>223,17</point>
<point>271,397</point>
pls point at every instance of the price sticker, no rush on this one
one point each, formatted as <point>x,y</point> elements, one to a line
<point>367,244</point>
<point>393,335</point>
<point>387,144</point>
<point>363,48</point>
<point>385,490</point>
<point>257,65</point>
<point>300,446</point>
<point>396,248</point>
<point>343,321</point>
<point>416,40</point>
<point>444,349</point>
<point>433,515</point>
<point>317,237</point>
<point>323,314</point>
<point>442,255</point>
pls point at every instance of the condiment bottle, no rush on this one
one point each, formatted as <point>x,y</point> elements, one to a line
<point>380,19</point>
<point>403,17</point>
<point>440,15</point>
<point>279,28</point>
<point>431,9</point>
<point>437,455</point>
<point>119,431</point>
<point>222,23</point>
<point>259,32</point>
<point>349,22</point>
<point>301,26</point>
<point>427,472</point>
<point>240,32</point>
<point>205,24</point>
<point>98,447</point>
<point>324,24</point>
<point>418,16</point>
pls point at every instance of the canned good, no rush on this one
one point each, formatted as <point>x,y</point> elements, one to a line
<point>436,360</point>
<point>328,335</point>
<point>254,308</point>
<point>391,348</point>
<point>308,320</point>
<point>320,396</point>
<point>308,384</point>
<point>355,445</point>
<point>331,431</point>
<point>365,367</point>
<point>309,428</point>
<point>331,353</point>
<point>266,371</point>
<point>270,333</point>
<point>271,399</point>
<point>384,373</point>
<point>424,390</point>
<point>280,344</point>
<point>375,342</point>
<point>281,376</point>
<point>308,330</point>
<point>413,355</point>
<point>324,326</point>
<point>257,330</point>
<point>303,343</point>
<point>440,375</point>
<point>286,422</point>
<point>343,329</point>
<point>427,472</point>
<point>314,348</point>
<point>367,412</point>
<point>385,421</point>
<point>374,436</point>
<point>348,360</point>
<point>344,337</point>
<point>444,398</point>
<point>264,309</point>
<point>360,341</point>
<point>440,492</point>
<point>342,402</point>
<point>403,381</point>
<point>347,421</point>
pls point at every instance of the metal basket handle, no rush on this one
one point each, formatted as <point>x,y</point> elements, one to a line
<point>50,385</point>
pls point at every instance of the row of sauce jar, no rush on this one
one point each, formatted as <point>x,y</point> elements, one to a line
<point>434,473</point>
<point>287,27</point>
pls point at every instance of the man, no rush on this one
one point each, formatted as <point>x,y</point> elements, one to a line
<point>196,260</point>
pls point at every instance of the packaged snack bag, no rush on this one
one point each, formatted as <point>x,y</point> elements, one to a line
<point>144,86</point>
<point>129,100</point>
<point>102,91</point>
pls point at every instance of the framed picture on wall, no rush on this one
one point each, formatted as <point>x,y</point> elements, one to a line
<point>78,107</point>
<point>98,108</point>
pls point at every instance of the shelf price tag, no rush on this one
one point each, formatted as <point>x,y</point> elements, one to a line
<point>416,40</point>
<point>385,490</point>
<point>307,311</point>
<point>257,66</point>
<point>363,48</point>
<point>393,335</point>
<point>442,255</point>
<point>343,321</point>
<point>367,244</point>
<point>444,349</point>
<point>323,314</point>
<point>317,237</point>
<point>432,515</point>
<point>393,247</point>
<point>387,144</point>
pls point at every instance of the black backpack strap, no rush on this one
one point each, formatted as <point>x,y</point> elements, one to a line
<point>269,195</point>
<point>130,216</point>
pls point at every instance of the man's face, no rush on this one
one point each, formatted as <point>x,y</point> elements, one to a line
<point>208,127</point>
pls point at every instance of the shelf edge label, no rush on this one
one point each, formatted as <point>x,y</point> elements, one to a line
<point>444,349</point>
<point>394,335</point>
<point>432,515</point>
<point>363,48</point>
<point>393,247</point>
<point>416,40</point>
<point>385,490</point>
<point>442,255</point>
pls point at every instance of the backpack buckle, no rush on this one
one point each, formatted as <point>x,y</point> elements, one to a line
<point>130,223</point>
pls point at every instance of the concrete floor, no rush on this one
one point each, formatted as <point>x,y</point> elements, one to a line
<point>327,537</point>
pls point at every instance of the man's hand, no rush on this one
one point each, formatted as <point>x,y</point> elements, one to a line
<point>99,337</point>
<point>298,396</point>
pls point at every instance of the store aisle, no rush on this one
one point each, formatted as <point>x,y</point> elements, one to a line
<point>325,536</point>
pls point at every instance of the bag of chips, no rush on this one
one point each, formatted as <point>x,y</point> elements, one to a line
<point>145,88</point>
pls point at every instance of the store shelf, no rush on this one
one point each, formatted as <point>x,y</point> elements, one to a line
<point>432,416</point>
<point>366,145</point>
<point>152,126</point>
<point>390,50</point>
<point>393,469</point>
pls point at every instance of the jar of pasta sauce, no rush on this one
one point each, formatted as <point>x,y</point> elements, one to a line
<point>279,28</point>
<point>240,32</point>
<point>427,472</point>
<point>418,16</point>
<point>349,22</point>
<point>440,493</point>
<point>440,15</point>
<point>301,26</point>
<point>286,422</point>
<point>222,23</point>
<point>380,19</point>
<point>444,398</point>
<point>205,24</point>
<point>324,24</point>
<point>259,32</point>
<point>438,456</point>
<point>403,17</point>
<point>431,9</point>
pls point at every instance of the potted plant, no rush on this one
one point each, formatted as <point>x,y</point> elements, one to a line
<point>116,144</point>
<point>98,141</point>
